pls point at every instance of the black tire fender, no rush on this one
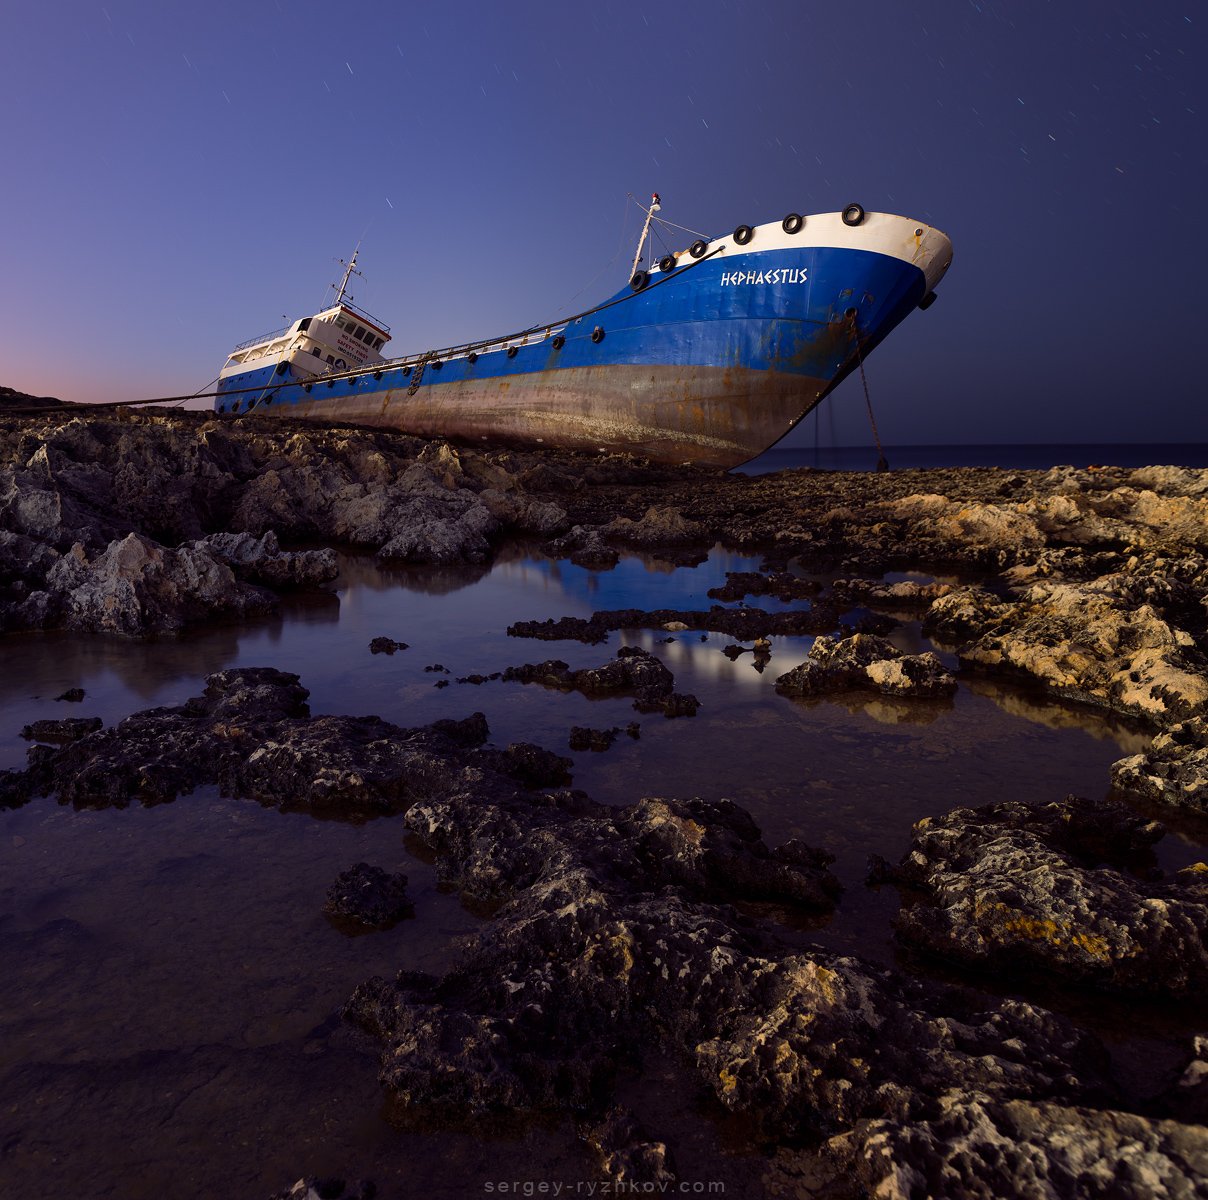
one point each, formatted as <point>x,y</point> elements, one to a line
<point>640,280</point>
<point>698,248</point>
<point>743,234</point>
<point>853,214</point>
<point>597,334</point>
<point>472,357</point>
<point>793,223</point>
<point>667,263</point>
<point>512,351</point>
<point>558,341</point>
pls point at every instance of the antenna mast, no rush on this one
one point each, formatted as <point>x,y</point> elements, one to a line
<point>350,270</point>
<point>655,205</point>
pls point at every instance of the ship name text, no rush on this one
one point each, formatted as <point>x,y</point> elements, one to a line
<point>778,276</point>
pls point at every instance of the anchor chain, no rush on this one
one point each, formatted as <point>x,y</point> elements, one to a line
<point>882,462</point>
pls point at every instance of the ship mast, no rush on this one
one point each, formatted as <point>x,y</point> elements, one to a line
<point>654,207</point>
<point>350,270</point>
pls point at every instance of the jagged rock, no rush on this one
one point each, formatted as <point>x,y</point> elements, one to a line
<point>905,594</point>
<point>658,526</point>
<point>251,733</point>
<point>869,662</point>
<point>1173,770</point>
<point>136,587</point>
<point>634,672</point>
<point>368,896</point>
<point>984,1149</point>
<point>608,938</point>
<point>1187,1097</point>
<point>261,560</point>
<point>69,729</point>
<point>72,695</point>
<point>582,738</point>
<point>1046,891</point>
<point>630,1159</point>
<point>1100,643</point>
<point>385,645</point>
<point>585,548</point>
<point>780,584</point>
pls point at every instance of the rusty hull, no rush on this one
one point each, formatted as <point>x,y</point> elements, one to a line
<point>671,414</point>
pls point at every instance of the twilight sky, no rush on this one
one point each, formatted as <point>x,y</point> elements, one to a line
<point>181,176</point>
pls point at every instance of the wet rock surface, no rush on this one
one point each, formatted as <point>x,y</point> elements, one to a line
<point>866,661</point>
<point>1064,890</point>
<point>1172,771</point>
<point>634,672</point>
<point>612,935</point>
<point>972,1146</point>
<point>385,645</point>
<point>69,729</point>
<point>368,896</point>
<point>251,733</point>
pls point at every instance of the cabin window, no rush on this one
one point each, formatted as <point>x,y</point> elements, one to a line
<point>315,351</point>
<point>304,324</point>
<point>378,343</point>
<point>331,358</point>
<point>367,337</point>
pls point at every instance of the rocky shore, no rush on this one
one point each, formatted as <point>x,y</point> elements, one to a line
<point>621,935</point>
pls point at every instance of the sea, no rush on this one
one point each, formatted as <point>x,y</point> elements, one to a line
<point>172,990</point>
<point>1025,456</point>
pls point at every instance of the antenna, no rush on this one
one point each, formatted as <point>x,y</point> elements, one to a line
<point>655,205</point>
<point>350,270</point>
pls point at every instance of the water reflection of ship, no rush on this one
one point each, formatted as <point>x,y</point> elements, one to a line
<point>639,580</point>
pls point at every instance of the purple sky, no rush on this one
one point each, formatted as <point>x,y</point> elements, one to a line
<point>179,177</point>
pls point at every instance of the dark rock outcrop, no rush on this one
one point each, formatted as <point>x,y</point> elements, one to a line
<point>865,661</point>
<point>633,672</point>
<point>611,935</point>
<point>385,645</point>
<point>1173,770</point>
<point>69,729</point>
<point>1056,890</point>
<point>252,734</point>
<point>368,896</point>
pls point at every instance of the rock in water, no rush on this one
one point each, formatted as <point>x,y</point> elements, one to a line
<point>1174,770</point>
<point>1045,891</point>
<point>368,896</point>
<point>864,661</point>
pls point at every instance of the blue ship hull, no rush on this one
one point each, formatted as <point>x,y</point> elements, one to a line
<point>710,361</point>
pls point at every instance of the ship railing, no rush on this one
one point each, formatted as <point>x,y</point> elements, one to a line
<point>535,333</point>
<point>539,334</point>
<point>264,337</point>
<point>368,316</point>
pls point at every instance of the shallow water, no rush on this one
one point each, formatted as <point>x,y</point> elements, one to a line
<point>172,987</point>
